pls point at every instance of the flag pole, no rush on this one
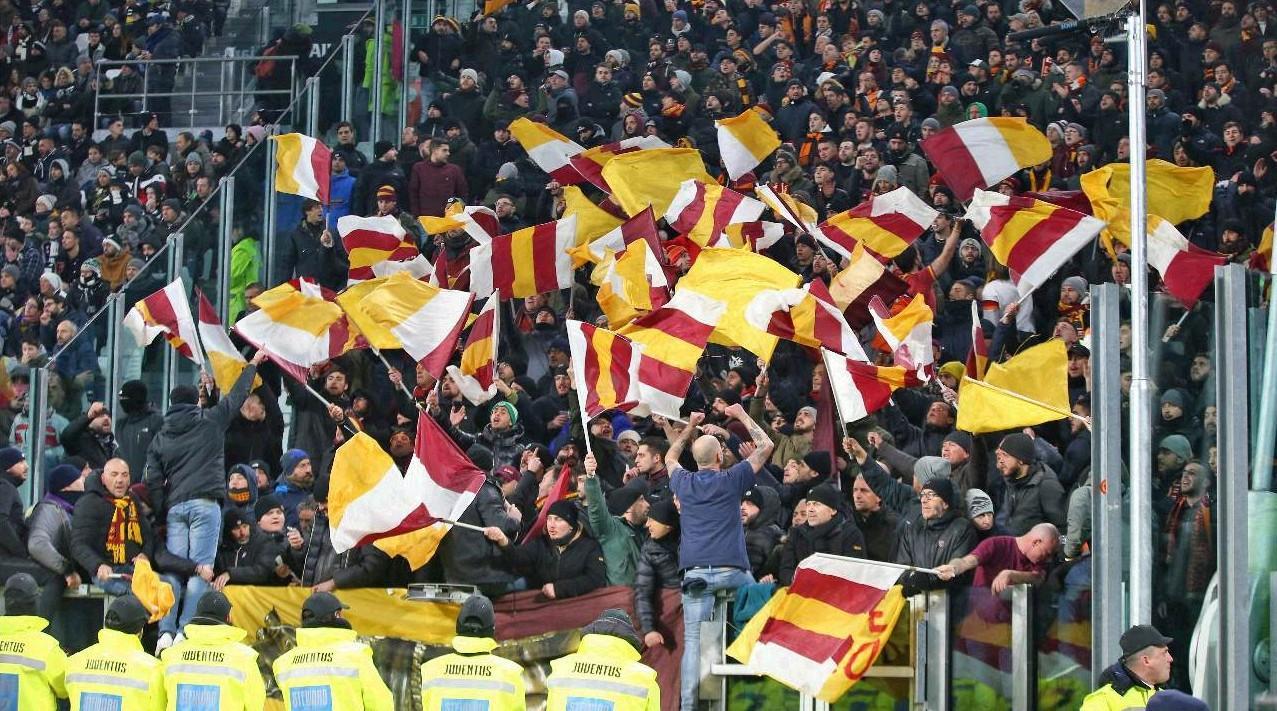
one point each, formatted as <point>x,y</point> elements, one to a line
<point>403,388</point>
<point>1180,322</point>
<point>467,526</point>
<point>884,564</point>
<point>1031,401</point>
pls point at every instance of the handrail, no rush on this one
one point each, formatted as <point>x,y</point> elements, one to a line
<point>184,60</point>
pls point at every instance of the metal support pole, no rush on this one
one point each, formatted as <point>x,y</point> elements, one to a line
<point>378,46</point>
<point>931,650</point>
<point>1266,429</point>
<point>222,99</point>
<point>1023,675</point>
<point>1231,395</point>
<point>264,28</point>
<point>407,63</point>
<point>226,242</point>
<point>37,421</point>
<point>312,110</point>
<point>1107,603</point>
<point>347,76</point>
<point>1141,455</point>
<point>190,111</point>
<point>175,259</point>
<point>268,229</point>
<point>115,334</point>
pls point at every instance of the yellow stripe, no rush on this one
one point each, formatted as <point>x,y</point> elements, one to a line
<point>367,256</point>
<point>1015,229</point>
<point>665,348</point>
<point>288,153</point>
<point>861,273</point>
<point>1029,145</point>
<point>351,301</point>
<point>358,465</point>
<point>439,225</point>
<point>523,256</point>
<point>703,230</point>
<point>915,314</point>
<point>863,229</point>
<point>592,221</point>
<point>755,134</point>
<point>604,388</point>
<point>417,547</point>
<point>804,317</point>
<point>531,134</point>
<point>301,312</point>
<point>631,268</point>
<point>475,356</point>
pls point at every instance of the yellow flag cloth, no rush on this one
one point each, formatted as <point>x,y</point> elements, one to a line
<point>653,177</point>
<point>736,276</point>
<point>1039,374</point>
<point>592,221</point>
<point>155,594</point>
<point>1174,193</point>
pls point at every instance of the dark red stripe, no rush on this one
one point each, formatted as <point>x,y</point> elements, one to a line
<point>691,214</point>
<point>873,391</point>
<point>1189,273</point>
<point>544,250</point>
<point>482,327</point>
<point>827,329</point>
<point>418,519</point>
<point>724,208</point>
<point>835,234</point>
<point>591,372</point>
<point>678,324</point>
<point>663,376</point>
<point>321,161</point>
<point>503,266</point>
<point>622,356</point>
<point>847,595</point>
<point>782,325</point>
<point>816,646</point>
<point>642,227</point>
<point>207,314</point>
<point>955,163</point>
<point>1034,243</point>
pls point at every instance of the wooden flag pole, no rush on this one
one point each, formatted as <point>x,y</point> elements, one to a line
<point>467,526</point>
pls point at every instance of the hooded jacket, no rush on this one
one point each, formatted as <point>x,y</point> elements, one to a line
<point>763,533</point>
<point>360,567</point>
<point>186,459</point>
<point>657,570</point>
<point>49,535</point>
<point>469,557</point>
<point>223,661</point>
<point>80,441</point>
<point>247,440</point>
<point>838,535</point>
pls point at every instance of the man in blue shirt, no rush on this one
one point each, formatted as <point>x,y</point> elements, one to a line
<point>711,553</point>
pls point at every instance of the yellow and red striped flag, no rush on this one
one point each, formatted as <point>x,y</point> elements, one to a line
<point>525,262</point>
<point>476,375</point>
<point>166,312</point>
<point>864,278</point>
<point>737,276</point>
<point>985,151</point>
<point>224,359</point>
<point>606,367</point>
<point>299,326</point>
<point>861,389</point>
<point>806,316</point>
<point>908,333</point>
<point>823,633</point>
<point>1174,193</point>
<point>744,141</point>
<point>302,166</point>
<point>1262,258</point>
<point>702,211</point>
<point>887,224</point>
<point>549,149</point>
<point>652,178</point>
<point>1032,238</point>
<point>590,162</point>
<point>978,357</point>
<point>673,338</point>
<point>402,312</point>
<point>379,246</point>
<point>1186,269</point>
<point>592,221</point>
<point>754,236</point>
<point>630,284</point>
<point>641,227</point>
<point>797,213</point>
<point>478,221</point>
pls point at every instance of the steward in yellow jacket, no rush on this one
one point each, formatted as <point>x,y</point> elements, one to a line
<point>212,668</point>
<point>1128,684</point>
<point>329,668</point>
<point>605,670</point>
<point>473,673</point>
<point>116,673</point>
<point>30,658</point>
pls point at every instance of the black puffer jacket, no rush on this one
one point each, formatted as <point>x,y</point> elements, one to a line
<point>881,530</point>
<point>1037,497</point>
<point>837,535</point>
<point>467,556</point>
<point>927,544</point>
<point>657,570</point>
<point>89,526</point>
<point>13,525</point>
<point>360,567</point>
<point>575,569</point>
<point>133,434</point>
<point>763,533</point>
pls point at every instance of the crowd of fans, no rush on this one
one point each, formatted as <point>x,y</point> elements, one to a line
<point>223,488</point>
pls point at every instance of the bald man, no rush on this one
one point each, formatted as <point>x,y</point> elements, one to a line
<point>1003,561</point>
<point>712,548</point>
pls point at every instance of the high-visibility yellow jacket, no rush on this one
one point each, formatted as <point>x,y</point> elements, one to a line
<point>32,665</point>
<point>330,670</point>
<point>1106,698</point>
<point>603,669</point>
<point>472,674</point>
<point>116,674</point>
<point>213,669</point>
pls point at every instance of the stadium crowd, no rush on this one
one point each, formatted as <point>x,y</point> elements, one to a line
<point>225,488</point>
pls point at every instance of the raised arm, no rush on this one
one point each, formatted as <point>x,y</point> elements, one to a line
<point>763,444</point>
<point>679,443</point>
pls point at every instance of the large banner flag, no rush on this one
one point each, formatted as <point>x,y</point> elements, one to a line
<point>1174,193</point>
<point>549,149</point>
<point>985,151</point>
<point>864,279</point>
<point>302,166</point>
<point>299,326</point>
<point>379,246</point>
<point>1032,238</point>
<point>744,141</point>
<point>1028,389</point>
<point>673,338</point>
<point>640,227</point>
<point>224,359</point>
<point>606,368</point>
<point>1186,269</point>
<point>806,316</point>
<point>525,262</point>
<point>630,284</point>
<point>652,178</point>
<point>166,312</point>
<point>886,224</point>
<point>822,633</point>
<point>592,221</point>
<point>402,312</point>
<point>702,211</point>
<point>861,389</point>
<point>370,500</point>
<point>590,162</point>
<point>908,333</point>
<point>736,276</point>
<point>475,377</point>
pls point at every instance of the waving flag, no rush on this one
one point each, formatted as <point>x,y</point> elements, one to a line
<point>702,211</point>
<point>526,262</point>
<point>822,633</point>
<point>1032,238</point>
<point>402,312</point>
<point>673,338</point>
<point>736,276</point>
<point>652,178</point>
<point>370,500</point>
<point>1174,193</point>
<point>631,283</point>
<point>590,162</point>
<point>1028,389</point>
<point>302,166</point>
<point>592,221</point>
<point>640,227</point>
<point>908,333</point>
<point>224,359</point>
<point>298,326</point>
<point>978,358</point>
<point>1261,258</point>
<point>744,141</point>
<point>797,213</point>
<point>475,377</point>
<point>549,149</point>
<point>887,224</point>
<point>166,312</point>
<point>1186,269</point>
<point>864,279</point>
<point>379,246</point>
<point>861,389</point>
<point>478,221</point>
<point>754,236</point>
<point>806,316</point>
<point>985,151</point>
<point>606,367</point>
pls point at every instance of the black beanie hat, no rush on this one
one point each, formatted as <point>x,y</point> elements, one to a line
<point>962,439</point>
<point>820,462</point>
<point>943,488</point>
<point>565,510</point>
<point>1020,446</point>
<point>826,494</point>
<point>664,511</point>
<point>265,504</point>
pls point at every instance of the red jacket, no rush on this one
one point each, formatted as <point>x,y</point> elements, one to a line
<point>432,185</point>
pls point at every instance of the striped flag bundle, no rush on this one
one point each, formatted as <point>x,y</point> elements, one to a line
<point>822,633</point>
<point>1186,269</point>
<point>475,377</point>
<point>590,162</point>
<point>379,246</point>
<point>224,359</point>
<point>861,389</point>
<point>303,166</point>
<point>806,316</point>
<point>702,211</point>
<point>744,141</point>
<point>907,333</point>
<point>736,276</point>
<point>299,325</point>
<point>549,149</point>
<point>887,224</point>
<point>631,283</point>
<point>1032,238</point>
<point>673,338</point>
<point>606,368</point>
<point>864,279</point>
<point>525,262</point>
<point>754,236</point>
<point>985,151</point>
<point>399,311</point>
<point>640,227</point>
<point>166,312</point>
<point>370,500</point>
<point>797,213</point>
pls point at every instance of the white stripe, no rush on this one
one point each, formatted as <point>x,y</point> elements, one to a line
<point>564,239</point>
<point>425,330</point>
<point>1060,251</point>
<point>988,147</point>
<point>791,668</point>
<point>982,202</point>
<point>304,171</point>
<point>616,687</point>
<point>759,311</point>
<point>484,684</point>
<point>304,672</point>
<point>21,661</point>
<point>736,156</point>
<point>749,209</point>
<point>107,680</point>
<point>205,669</point>
<point>481,270</point>
<point>291,344</point>
<point>419,267</point>
<point>772,232</point>
<point>682,199</point>
<point>390,499</point>
<point>851,570</point>
<point>903,201</point>
<point>469,387</point>
<point>851,404</point>
<point>1164,244</point>
<point>552,155</point>
<point>386,224</point>
<point>439,500</point>
<point>577,347</point>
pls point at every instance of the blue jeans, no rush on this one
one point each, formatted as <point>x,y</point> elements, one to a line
<point>194,529</point>
<point>116,587</point>
<point>698,607</point>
